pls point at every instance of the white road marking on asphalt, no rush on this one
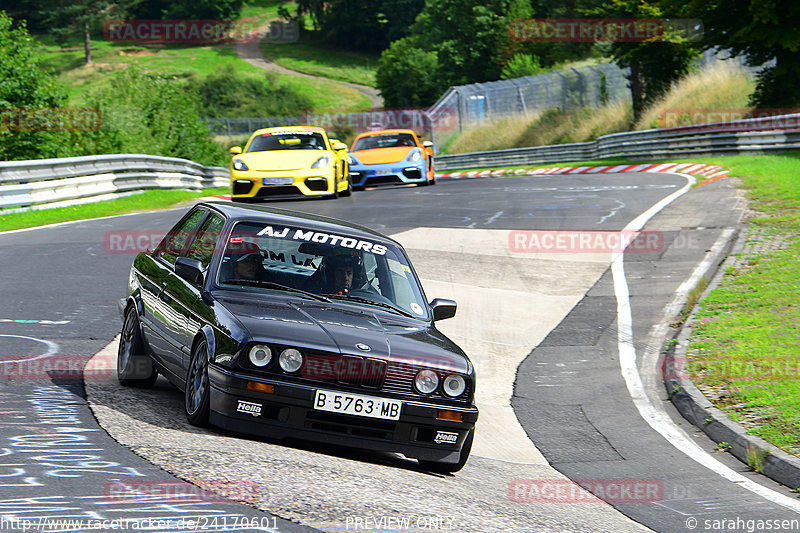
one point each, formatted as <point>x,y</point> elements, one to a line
<point>52,349</point>
<point>620,205</point>
<point>658,419</point>
<point>494,217</point>
<point>497,326</point>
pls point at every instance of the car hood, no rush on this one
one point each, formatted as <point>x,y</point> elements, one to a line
<point>377,156</point>
<point>340,328</point>
<point>282,159</point>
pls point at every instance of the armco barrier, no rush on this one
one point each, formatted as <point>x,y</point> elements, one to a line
<point>685,141</point>
<point>27,183</point>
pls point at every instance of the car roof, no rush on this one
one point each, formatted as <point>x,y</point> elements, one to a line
<point>384,132</point>
<point>279,129</point>
<point>289,217</point>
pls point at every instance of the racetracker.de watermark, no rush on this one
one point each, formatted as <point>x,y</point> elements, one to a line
<point>57,366</point>
<point>604,30</point>
<point>198,31</point>
<point>585,490</point>
<point>175,492</point>
<point>23,119</point>
<point>590,241</point>
<point>410,118</point>
<point>732,119</point>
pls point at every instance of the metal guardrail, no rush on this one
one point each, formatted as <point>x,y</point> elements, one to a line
<point>762,135</point>
<point>27,183</point>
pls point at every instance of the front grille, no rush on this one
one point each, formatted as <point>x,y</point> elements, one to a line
<point>380,180</point>
<point>400,378</point>
<point>349,370</point>
<point>242,186</point>
<point>277,190</point>
<point>412,173</point>
<point>317,184</point>
<point>352,425</point>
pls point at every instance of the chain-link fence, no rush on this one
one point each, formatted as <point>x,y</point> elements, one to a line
<point>574,88</point>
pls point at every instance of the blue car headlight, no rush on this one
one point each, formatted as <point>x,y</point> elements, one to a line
<point>415,156</point>
<point>322,162</point>
<point>354,160</point>
<point>240,165</point>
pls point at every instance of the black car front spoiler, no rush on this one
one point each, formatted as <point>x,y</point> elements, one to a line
<point>288,412</point>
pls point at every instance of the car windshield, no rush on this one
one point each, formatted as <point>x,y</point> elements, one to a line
<point>261,257</point>
<point>384,141</point>
<point>287,140</point>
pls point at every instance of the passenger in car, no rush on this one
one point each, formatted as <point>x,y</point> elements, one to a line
<point>246,264</point>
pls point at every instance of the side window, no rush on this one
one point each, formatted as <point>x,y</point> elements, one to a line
<point>202,248</point>
<point>176,241</point>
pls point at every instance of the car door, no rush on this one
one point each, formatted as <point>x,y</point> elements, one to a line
<point>159,315</point>
<point>184,298</point>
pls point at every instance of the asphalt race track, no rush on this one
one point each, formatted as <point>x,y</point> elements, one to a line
<point>568,384</point>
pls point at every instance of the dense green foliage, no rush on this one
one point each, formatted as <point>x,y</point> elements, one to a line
<point>762,31</point>
<point>407,75</point>
<point>362,25</point>
<point>654,65</point>
<point>24,85</point>
<point>521,65</point>
<point>228,94</point>
<point>151,114</point>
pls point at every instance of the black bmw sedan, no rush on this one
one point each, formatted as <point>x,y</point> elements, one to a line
<point>286,324</point>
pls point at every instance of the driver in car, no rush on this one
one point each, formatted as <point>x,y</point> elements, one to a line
<point>339,274</point>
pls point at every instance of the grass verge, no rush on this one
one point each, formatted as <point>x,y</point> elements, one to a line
<point>310,56</point>
<point>145,201</point>
<point>182,60</point>
<point>744,349</point>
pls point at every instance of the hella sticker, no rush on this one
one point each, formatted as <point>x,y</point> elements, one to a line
<point>445,437</point>
<point>249,408</point>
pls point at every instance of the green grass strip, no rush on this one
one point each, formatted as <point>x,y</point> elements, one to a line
<point>145,201</point>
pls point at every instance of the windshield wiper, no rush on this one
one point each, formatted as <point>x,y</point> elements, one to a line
<point>373,302</point>
<point>273,285</point>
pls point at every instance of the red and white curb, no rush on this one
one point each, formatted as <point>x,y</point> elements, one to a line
<point>710,172</point>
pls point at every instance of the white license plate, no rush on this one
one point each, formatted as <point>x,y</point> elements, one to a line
<point>277,181</point>
<point>383,171</point>
<point>355,404</point>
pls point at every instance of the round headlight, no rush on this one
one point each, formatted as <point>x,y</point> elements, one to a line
<point>290,360</point>
<point>426,381</point>
<point>260,355</point>
<point>454,385</point>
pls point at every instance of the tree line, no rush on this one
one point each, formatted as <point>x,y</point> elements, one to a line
<point>428,45</point>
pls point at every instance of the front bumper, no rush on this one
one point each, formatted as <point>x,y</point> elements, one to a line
<point>306,182</point>
<point>289,413</point>
<point>400,172</point>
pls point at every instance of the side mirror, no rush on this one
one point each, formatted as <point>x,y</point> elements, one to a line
<point>427,144</point>
<point>338,145</point>
<point>189,269</point>
<point>443,309</point>
<point>236,150</point>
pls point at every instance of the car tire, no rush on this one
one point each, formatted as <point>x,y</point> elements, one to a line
<point>349,190</point>
<point>134,366</point>
<point>198,391</point>
<point>449,468</point>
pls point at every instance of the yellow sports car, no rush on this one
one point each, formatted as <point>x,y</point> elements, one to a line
<point>289,161</point>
